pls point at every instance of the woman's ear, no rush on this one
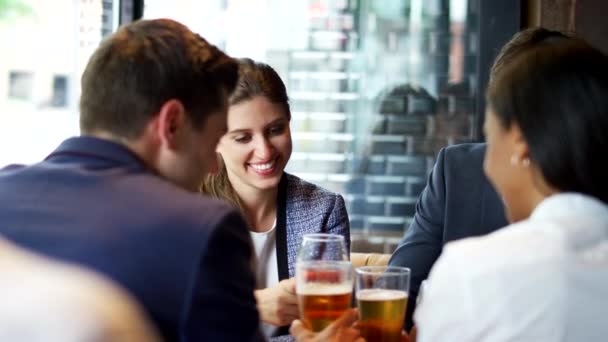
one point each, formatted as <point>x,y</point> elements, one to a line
<point>519,145</point>
<point>171,122</point>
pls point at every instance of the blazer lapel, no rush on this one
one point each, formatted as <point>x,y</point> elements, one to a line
<point>281,237</point>
<point>281,240</point>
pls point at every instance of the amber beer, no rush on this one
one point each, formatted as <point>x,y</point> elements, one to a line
<point>324,292</point>
<point>323,304</point>
<point>382,313</point>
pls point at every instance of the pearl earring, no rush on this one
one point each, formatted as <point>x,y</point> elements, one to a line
<point>525,162</point>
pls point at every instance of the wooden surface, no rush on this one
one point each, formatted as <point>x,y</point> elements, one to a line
<point>369,259</point>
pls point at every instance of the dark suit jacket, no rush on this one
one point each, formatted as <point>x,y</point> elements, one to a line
<point>186,258</point>
<point>458,202</point>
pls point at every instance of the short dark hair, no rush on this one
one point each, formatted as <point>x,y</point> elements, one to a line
<point>143,65</point>
<point>558,96</point>
<point>523,41</point>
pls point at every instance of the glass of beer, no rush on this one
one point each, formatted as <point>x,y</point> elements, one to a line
<point>324,280</point>
<point>382,293</point>
<point>328,247</point>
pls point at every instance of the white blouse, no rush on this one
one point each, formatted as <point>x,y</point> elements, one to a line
<point>267,275</point>
<point>542,279</point>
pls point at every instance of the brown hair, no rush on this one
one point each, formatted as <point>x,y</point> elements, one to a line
<point>523,41</point>
<point>259,79</point>
<point>255,79</point>
<point>143,65</point>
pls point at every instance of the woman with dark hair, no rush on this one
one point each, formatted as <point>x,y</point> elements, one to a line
<point>459,201</point>
<point>278,207</point>
<point>543,277</point>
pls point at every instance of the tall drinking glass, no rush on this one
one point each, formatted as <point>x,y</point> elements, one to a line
<point>382,293</point>
<point>324,279</point>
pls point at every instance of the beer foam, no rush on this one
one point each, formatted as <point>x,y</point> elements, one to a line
<point>381,294</point>
<point>324,289</point>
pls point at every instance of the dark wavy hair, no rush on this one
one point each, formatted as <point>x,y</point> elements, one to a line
<point>558,96</point>
<point>523,41</point>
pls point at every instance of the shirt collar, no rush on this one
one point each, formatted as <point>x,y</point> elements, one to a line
<point>570,204</point>
<point>91,148</point>
<point>582,219</point>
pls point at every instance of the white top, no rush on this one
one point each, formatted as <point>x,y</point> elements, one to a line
<point>267,275</point>
<point>46,300</point>
<point>542,279</point>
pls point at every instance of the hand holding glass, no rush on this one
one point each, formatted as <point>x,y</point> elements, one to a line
<point>324,280</point>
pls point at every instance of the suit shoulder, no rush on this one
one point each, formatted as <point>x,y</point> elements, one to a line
<point>465,152</point>
<point>184,207</point>
<point>206,209</point>
<point>299,189</point>
<point>463,159</point>
<point>11,168</point>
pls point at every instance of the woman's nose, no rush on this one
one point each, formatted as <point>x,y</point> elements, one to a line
<point>263,148</point>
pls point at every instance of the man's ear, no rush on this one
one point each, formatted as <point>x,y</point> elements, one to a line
<point>170,122</point>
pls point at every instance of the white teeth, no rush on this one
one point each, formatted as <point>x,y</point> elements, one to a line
<point>263,167</point>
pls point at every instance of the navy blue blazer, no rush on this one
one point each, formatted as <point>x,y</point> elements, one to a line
<point>458,202</point>
<point>185,258</point>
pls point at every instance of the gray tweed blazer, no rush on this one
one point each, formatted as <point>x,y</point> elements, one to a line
<point>305,208</point>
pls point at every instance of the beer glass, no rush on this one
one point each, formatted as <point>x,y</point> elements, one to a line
<point>324,280</point>
<point>328,247</point>
<point>382,293</point>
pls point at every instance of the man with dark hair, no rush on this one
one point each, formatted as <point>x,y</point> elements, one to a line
<point>152,109</point>
<point>458,201</point>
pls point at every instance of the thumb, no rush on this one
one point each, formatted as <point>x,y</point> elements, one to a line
<point>298,331</point>
<point>290,285</point>
<point>296,327</point>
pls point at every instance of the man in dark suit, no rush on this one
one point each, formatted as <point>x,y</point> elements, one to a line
<point>153,106</point>
<point>458,201</point>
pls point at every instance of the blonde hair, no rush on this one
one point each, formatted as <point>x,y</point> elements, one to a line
<point>218,186</point>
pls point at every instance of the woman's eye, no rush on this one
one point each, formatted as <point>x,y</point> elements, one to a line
<point>276,130</point>
<point>242,138</point>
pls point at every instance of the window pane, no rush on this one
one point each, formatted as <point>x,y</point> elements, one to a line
<point>376,89</point>
<point>45,45</point>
